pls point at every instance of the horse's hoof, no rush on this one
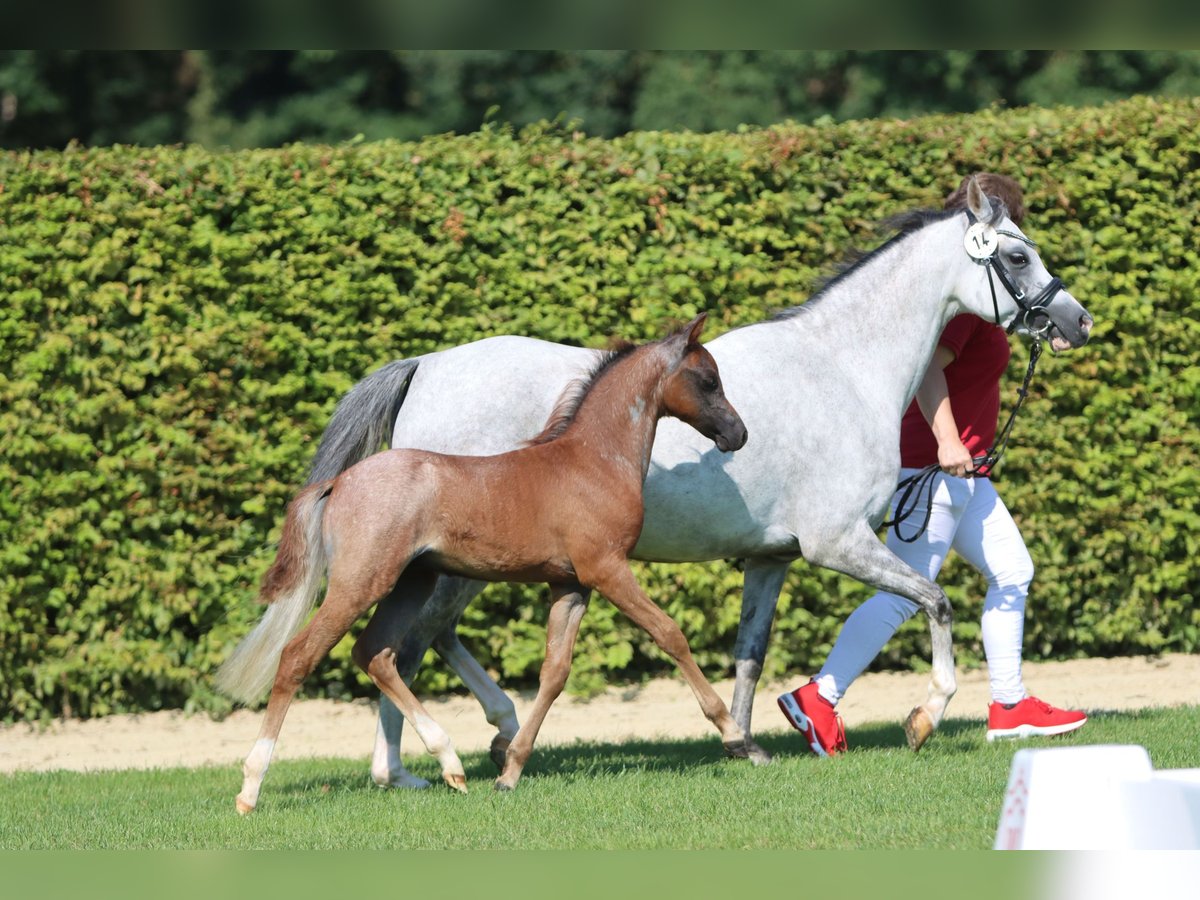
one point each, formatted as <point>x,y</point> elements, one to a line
<point>243,808</point>
<point>758,755</point>
<point>404,780</point>
<point>499,751</point>
<point>917,728</point>
<point>747,749</point>
<point>456,781</point>
<point>504,786</point>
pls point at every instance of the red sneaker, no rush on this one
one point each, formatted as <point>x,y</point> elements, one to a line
<point>1031,717</point>
<point>815,718</point>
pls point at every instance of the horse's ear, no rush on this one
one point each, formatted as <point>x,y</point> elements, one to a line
<point>695,327</point>
<point>978,203</point>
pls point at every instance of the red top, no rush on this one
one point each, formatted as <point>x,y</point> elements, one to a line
<point>981,355</point>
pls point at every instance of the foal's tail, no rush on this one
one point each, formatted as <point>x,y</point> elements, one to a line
<point>361,423</point>
<point>290,587</point>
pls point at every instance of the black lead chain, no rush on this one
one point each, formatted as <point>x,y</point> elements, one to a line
<point>914,487</point>
<point>992,457</point>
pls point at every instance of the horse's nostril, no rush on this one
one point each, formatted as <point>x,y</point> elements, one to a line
<point>1086,322</point>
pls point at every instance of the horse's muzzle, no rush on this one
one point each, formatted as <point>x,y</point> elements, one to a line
<point>1060,341</point>
<point>731,438</point>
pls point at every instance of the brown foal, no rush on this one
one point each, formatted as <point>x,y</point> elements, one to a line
<point>565,510</point>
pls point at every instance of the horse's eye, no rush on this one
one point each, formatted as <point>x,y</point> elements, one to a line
<point>710,384</point>
<point>1017,258</point>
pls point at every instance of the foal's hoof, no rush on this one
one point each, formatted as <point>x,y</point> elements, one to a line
<point>456,781</point>
<point>499,751</point>
<point>243,808</point>
<point>918,728</point>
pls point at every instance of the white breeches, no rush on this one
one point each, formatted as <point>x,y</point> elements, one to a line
<point>968,517</point>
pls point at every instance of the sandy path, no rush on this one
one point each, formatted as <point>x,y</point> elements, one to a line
<point>663,708</point>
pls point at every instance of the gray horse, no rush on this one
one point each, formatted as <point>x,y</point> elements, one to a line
<point>821,388</point>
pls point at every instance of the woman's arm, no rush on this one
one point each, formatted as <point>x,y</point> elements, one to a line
<point>933,397</point>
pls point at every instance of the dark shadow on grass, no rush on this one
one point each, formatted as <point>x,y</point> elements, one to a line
<point>592,760</point>
<point>605,759</point>
<point>954,735</point>
<point>568,761</point>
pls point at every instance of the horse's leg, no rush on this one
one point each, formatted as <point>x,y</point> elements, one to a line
<point>497,705</point>
<point>382,669</point>
<point>375,654</point>
<point>301,655</point>
<point>439,617</point>
<point>439,613</point>
<point>619,585</point>
<point>860,554</point>
<point>760,595</point>
<point>387,768</point>
<point>568,604</point>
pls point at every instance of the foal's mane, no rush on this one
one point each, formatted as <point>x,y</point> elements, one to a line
<point>900,226</point>
<point>572,398</point>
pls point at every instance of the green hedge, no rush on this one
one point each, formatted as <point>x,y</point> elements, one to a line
<point>177,325</point>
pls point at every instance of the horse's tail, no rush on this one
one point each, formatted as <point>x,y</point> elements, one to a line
<point>290,588</point>
<point>363,420</point>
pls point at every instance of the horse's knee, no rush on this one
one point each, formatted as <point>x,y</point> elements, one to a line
<point>446,643</point>
<point>365,650</point>
<point>941,611</point>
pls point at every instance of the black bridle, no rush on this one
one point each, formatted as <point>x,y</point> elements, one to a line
<point>983,246</point>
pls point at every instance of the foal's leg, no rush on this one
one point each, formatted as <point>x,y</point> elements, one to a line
<point>619,585</point>
<point>333,619</point>
<point>439,615</point>
<point>568,604</point>
<point>860,554</point>
<point>375,654</point>
<point>497,706</point>
<point>760,595</point>
<point>382,669</point>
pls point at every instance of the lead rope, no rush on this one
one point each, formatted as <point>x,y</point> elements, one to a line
<point>921,484</point>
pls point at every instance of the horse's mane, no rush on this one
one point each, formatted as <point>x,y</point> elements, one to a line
<point>572,397</point>
<point>898,227</point>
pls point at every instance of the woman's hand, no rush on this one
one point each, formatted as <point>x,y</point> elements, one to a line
<point>954,457</point>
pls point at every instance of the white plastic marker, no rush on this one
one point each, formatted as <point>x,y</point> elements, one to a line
<point>1104,797</point>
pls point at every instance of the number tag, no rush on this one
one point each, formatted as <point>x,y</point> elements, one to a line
<point>981,241</point>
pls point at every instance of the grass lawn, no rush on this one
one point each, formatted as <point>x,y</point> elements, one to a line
<point>660,795</point>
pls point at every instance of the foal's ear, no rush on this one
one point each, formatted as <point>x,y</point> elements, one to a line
<point>978,203</point>
<point>695,327</point>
